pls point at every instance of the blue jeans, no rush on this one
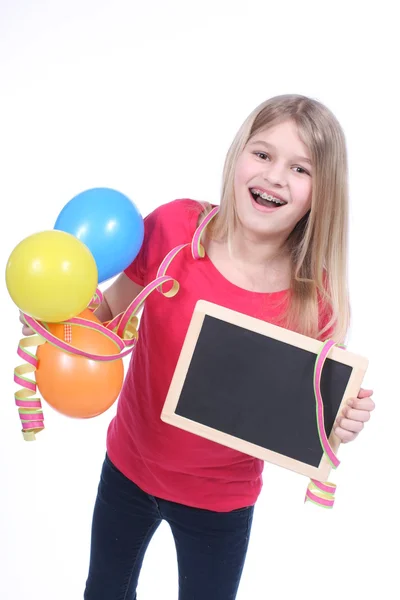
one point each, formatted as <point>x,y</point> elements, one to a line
<point>211,547</point>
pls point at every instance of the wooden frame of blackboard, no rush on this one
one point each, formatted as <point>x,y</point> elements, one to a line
<point>203,309</point>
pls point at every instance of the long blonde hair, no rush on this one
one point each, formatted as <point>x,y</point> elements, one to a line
<point>319,242</point>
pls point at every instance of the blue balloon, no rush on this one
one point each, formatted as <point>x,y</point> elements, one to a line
<point>109,224</point>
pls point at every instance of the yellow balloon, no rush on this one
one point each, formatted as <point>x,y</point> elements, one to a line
<point>51,276</point>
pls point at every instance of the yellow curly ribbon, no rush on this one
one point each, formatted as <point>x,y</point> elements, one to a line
<point>29,406</point>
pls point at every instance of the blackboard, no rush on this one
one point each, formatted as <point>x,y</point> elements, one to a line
<point>248,384</point>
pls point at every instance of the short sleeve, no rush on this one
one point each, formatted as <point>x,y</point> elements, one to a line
<point>165,227</point>
<point>137,269</point>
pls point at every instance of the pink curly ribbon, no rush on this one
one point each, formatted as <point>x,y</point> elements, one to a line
<point>197,249</point>
<point>121,324</point>
<point>318,492</point>
<point>66,347</point>
<point>122,330</point>
<point>319,363</point>
<point>162,269</point>
<point>29,406</point>
<point>123,320</point>
<point>96,300</point>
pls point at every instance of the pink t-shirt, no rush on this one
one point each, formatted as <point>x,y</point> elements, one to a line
<point>163,460</point>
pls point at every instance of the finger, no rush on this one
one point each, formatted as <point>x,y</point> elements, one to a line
<point>350,425</point>
<point>363,404</point>
<point>357,415</point>
<point>345,436</point>
<point>364,393</point>
<point>27,330</point>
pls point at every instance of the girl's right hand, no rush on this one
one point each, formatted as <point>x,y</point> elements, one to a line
<point>25,329</point>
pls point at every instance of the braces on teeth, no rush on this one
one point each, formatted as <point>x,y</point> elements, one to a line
<point>268,197</point>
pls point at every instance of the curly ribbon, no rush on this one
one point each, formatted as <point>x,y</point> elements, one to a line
<point>96,300</point>
<point>197,249</point>
<point>122,330</point>
<point>319,363</point>
<point>29,406</point>
<point>318,492</point>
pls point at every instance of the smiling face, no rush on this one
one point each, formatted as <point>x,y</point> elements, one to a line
<point>273,182</point>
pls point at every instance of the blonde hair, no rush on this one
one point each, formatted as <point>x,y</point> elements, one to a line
<point>319,242</point>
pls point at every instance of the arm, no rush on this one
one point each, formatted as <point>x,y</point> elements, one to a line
<point>117,298</point>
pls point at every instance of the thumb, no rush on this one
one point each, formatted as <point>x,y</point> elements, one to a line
<point>365,393</point>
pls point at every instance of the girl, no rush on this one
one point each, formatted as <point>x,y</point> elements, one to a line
<point>277,250</point>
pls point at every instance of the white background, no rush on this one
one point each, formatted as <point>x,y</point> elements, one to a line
<point>145,97</point>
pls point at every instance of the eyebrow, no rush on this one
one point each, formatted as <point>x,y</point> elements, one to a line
<point>299,158</point>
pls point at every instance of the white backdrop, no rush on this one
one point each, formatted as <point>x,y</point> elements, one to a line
<point>145,97</point>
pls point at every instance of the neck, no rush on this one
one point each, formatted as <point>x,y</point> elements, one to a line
<point>252,264</point>
<point>255,252</point>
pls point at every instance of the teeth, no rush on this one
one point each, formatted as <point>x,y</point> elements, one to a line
<point>265,196</point>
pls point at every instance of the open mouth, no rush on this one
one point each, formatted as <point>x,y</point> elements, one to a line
<point>264,199</point>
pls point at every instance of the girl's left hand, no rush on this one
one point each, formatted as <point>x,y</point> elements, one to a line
<point>352,418</point>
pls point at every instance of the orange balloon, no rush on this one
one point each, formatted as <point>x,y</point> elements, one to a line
<point>77,386</point>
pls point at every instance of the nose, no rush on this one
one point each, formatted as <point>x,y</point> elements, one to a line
<point>274,172</point>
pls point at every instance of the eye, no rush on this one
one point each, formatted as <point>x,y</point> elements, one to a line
<point>300,170</point>
<point>261,155</point>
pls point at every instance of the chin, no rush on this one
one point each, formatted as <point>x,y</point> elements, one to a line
<point>255,226</point>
